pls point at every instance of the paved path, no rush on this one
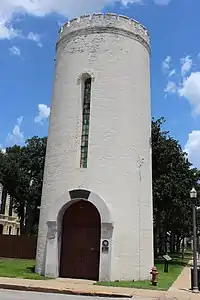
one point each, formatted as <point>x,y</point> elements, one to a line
<point>75,287</point>
<point>181,287</point>
<point>69,287</point>
<point>17,295</point>
<point>183,282</point>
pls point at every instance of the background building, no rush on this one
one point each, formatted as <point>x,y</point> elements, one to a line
<point>9,223</point>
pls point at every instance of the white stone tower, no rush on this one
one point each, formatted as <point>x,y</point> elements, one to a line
<point>96,213</point>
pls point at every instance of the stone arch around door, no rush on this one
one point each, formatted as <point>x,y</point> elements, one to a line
<point>54,236</point>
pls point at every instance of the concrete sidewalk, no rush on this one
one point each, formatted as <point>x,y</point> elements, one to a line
<point>179,290</point>
<point>87,288</point>
<point>181,287</point>
<point>76,287</point>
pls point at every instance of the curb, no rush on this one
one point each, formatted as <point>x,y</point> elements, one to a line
<point>61,291</point>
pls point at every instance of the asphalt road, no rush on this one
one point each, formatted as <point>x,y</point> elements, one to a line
<point>17,295</point>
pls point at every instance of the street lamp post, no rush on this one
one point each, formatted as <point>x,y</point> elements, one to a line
<point>197,245</point>
<point>193,196</point>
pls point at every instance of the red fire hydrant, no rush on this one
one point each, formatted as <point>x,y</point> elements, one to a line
<point>154,273</point>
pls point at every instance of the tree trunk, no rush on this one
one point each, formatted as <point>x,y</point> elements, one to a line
<point>172,243</point>
<point>183,248</point>
<point>155,238</point>
<point>161,243</point>
<point>3,201</point>
<point>29,220</point>
<point>178,244</point>
<point>10,212</point>
<point>22,228</point>
<point>165,243</point>
<point>21,214</point>
<point>165,236</point>
<point>159,235</point>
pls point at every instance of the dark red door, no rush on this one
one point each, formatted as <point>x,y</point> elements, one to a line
<point>80,250</point>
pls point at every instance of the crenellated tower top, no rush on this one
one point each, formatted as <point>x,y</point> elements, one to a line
<point>109,22</point>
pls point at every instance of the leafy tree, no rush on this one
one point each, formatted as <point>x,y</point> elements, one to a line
<point>33,160</point>
<point>173,177</point>
<point>21,173</point>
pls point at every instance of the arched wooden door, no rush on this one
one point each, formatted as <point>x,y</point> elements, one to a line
<point>80,249</point>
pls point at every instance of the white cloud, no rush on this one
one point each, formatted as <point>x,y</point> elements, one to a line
<point>16,136</point>
<point>186,85</point>
<point>40,8</point>
<point>126,2</point>
<point>162,2</point>
<point>172,72</point>
<point>166,64</point>
<point>14,50</point>
<point>62,7</point>
<point>171,87</point>
<point>66,8</point>
<point>6,30</point>
<point>43,113</point>
<point>186,65</point>
<point>192,147</point>
<point>191,90</point>
<point>35,37</point>
<point>2,150</point>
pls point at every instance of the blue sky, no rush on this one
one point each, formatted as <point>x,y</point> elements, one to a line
<point>28,34</point>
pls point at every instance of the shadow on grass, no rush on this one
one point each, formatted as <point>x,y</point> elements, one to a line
<point>31,269</point>
<point>172,262</point>
<point>176,260</point>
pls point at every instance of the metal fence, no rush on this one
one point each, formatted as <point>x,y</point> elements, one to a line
<point>22,247</point>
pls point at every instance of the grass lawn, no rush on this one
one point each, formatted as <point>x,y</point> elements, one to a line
<point>165,280</point>
<point>18,268</point>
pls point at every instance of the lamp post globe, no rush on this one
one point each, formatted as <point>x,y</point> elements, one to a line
<point>193,193</point>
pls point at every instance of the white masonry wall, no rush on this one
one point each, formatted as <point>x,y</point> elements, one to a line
<point>115,52</point>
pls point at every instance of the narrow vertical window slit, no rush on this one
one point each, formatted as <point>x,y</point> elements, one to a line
<point>85,123</point>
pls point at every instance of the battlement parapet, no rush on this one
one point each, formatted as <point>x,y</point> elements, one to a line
<point>105,21</point>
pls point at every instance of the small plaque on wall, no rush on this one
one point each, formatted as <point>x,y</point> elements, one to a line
<point>105,246</point>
